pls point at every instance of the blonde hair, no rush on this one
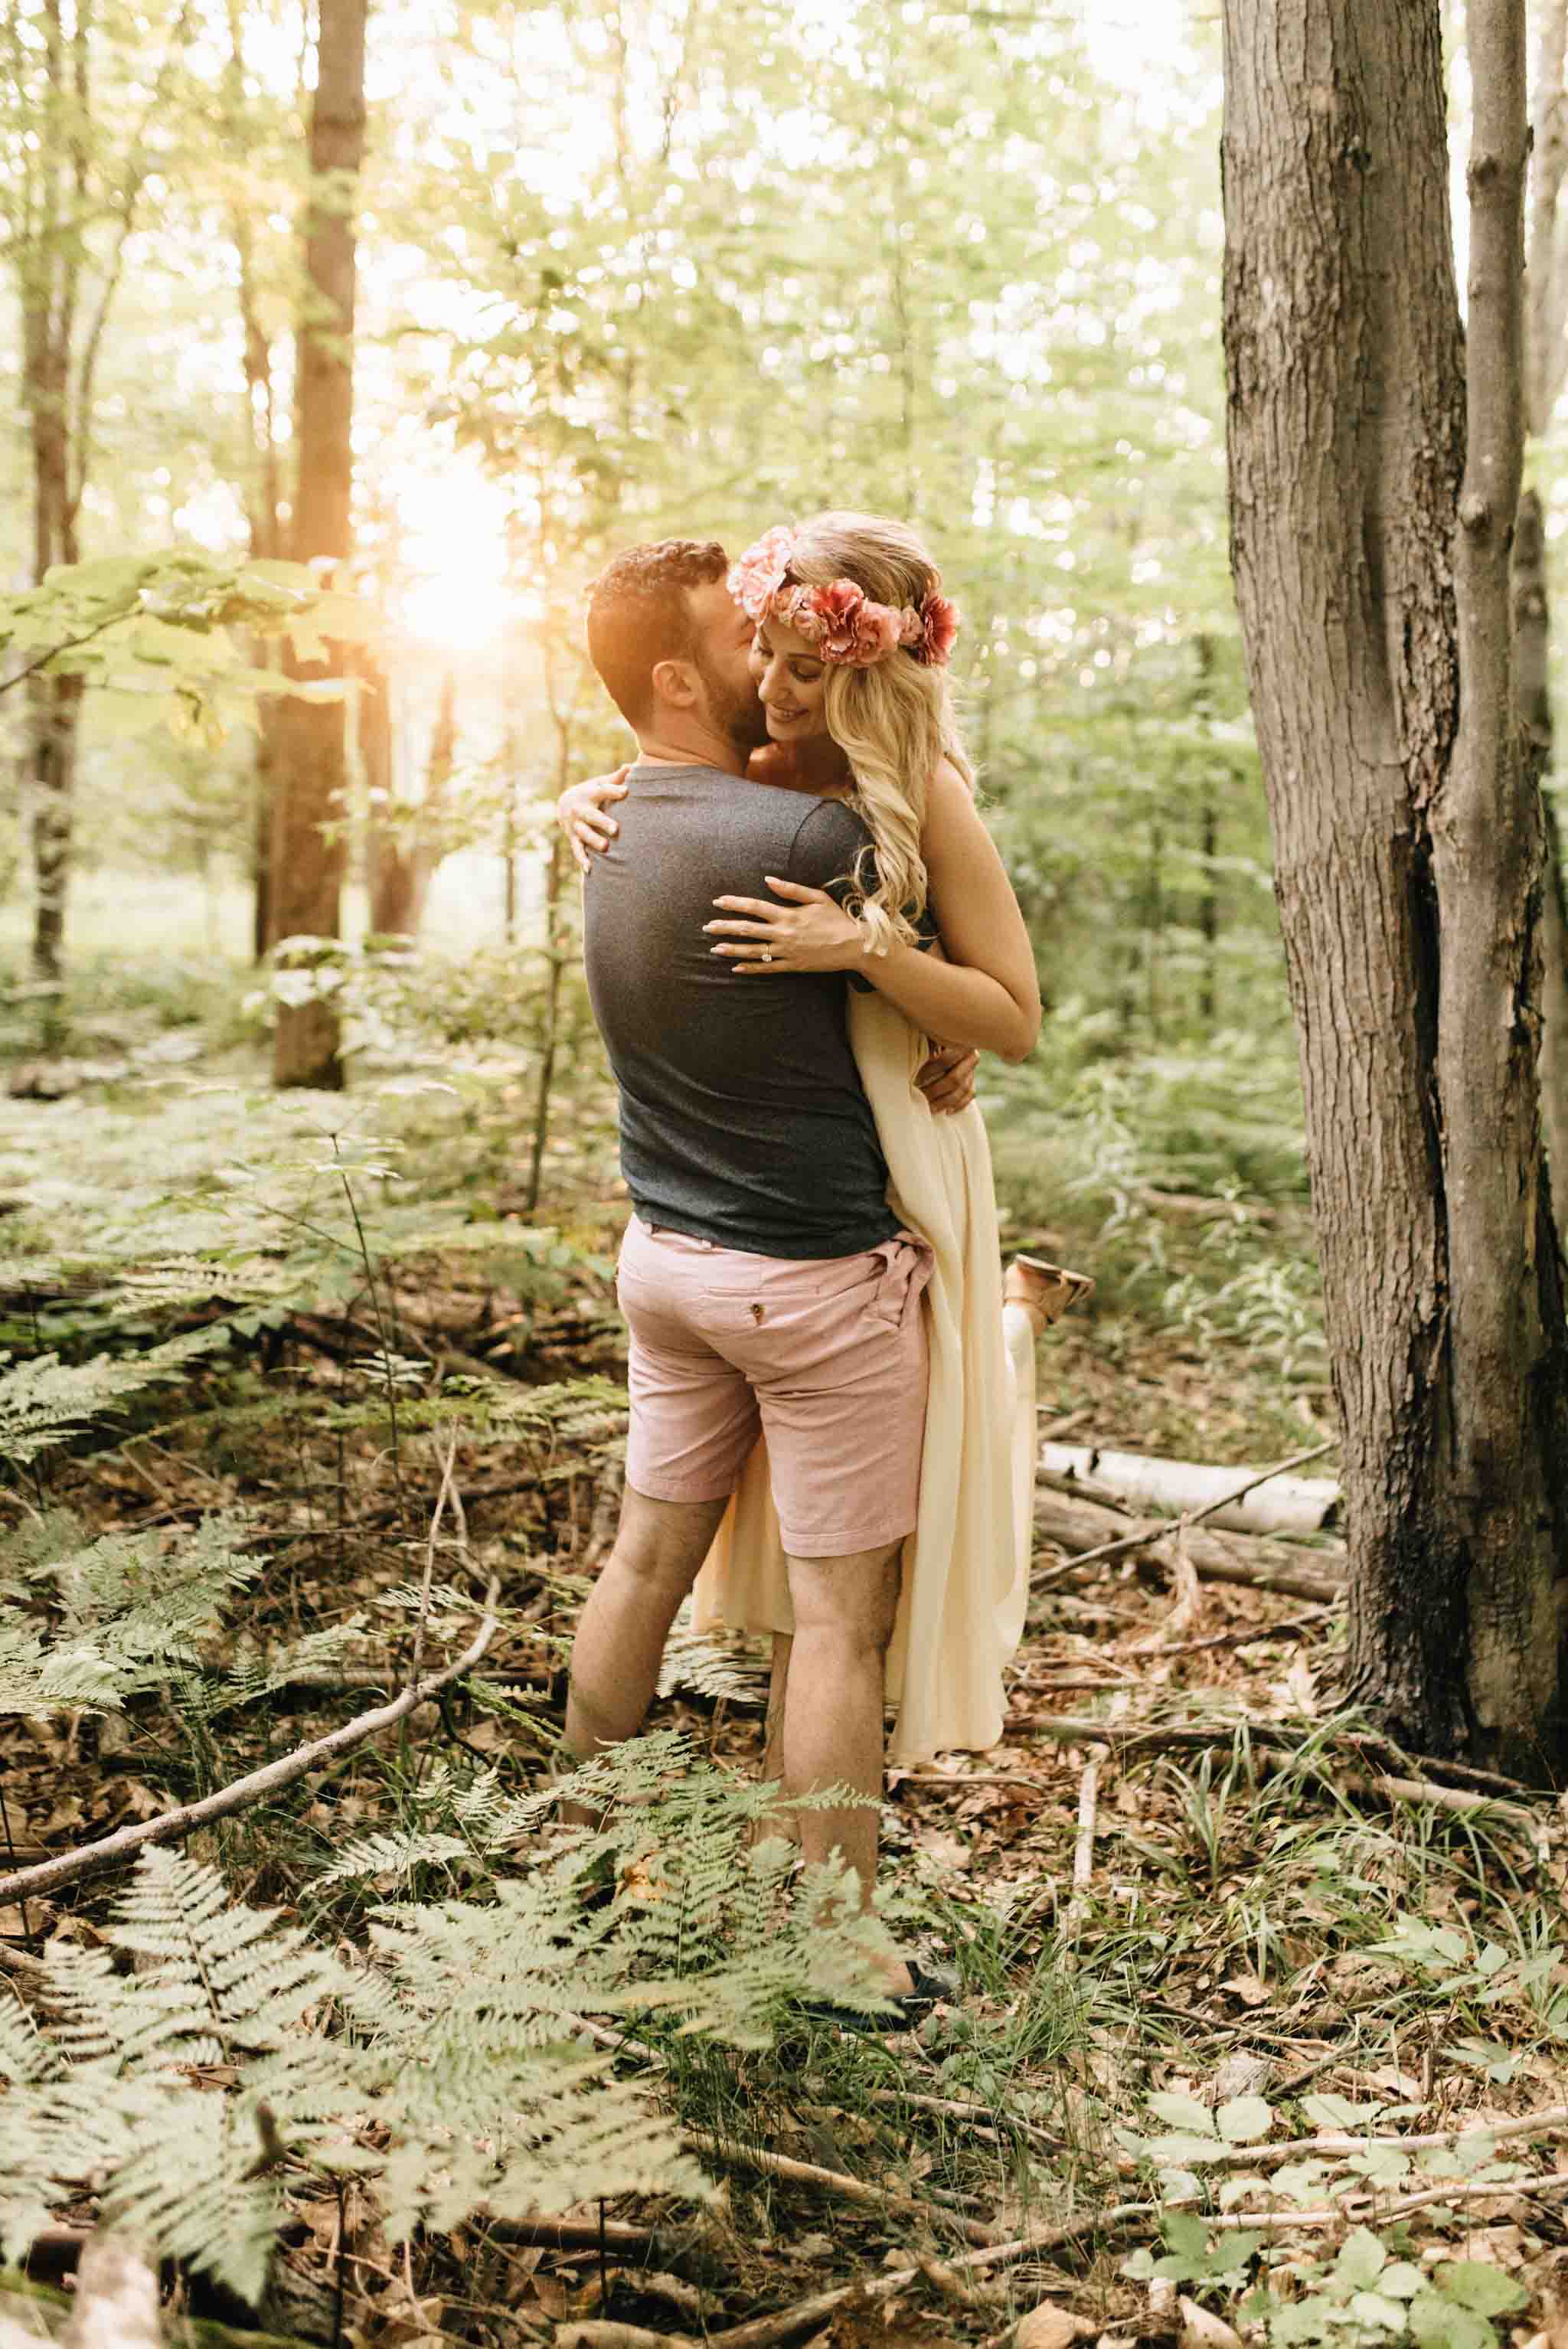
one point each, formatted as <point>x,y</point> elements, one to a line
<point>893,721</point>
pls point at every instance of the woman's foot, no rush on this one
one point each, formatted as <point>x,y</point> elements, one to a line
<point>1043,1291</point>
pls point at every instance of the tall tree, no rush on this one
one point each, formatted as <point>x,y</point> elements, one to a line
<point>77,159</point>
<point>311,735</point>
<point>1547,364</point>
<point>1370,535</point>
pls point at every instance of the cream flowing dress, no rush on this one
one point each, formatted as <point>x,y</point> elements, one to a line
<point>966,1565</point>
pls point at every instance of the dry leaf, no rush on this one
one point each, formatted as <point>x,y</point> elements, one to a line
<point>1247,1988</point>
<point>1200,2329</point>
<point>1050,2328</point>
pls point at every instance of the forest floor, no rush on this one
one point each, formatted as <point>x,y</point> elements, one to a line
<point>1287,2057</point>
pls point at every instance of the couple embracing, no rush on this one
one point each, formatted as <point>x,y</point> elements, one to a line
<point>797,933</point>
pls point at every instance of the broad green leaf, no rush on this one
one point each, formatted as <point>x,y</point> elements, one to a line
<point>1401,2279</point>
<point>1477,2285</point>
<point>1186,2235</point>
<point>1185,2113</point>
<point>1183,2148</point>
<point>1337,2112</point>
<point>1244,2119</point>
<point>1236,2190</point>
<point>121,716</point>
<point>1380,2165</point>
<point>1372,2308</point>
<point>1302,2321</point>
<point>1438,2322</point>
<point>1361,2260</point>
<point>1301,2181</point>
<point>1139,2265</point>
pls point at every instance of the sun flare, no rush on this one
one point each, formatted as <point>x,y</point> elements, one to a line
<point>458,594</point>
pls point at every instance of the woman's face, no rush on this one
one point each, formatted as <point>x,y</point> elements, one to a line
<point>791,681</point>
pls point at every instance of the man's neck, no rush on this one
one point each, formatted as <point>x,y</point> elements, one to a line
<point>677,745</point>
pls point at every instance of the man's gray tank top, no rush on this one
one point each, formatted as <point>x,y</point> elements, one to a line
<point>743,1119</point>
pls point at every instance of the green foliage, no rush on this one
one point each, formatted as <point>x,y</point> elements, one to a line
<point>149,632</point>
<point>448,2060</point>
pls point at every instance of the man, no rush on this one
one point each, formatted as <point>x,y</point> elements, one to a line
<point>766,1285</point>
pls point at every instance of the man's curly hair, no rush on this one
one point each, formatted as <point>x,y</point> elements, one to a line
<point>638,616</point>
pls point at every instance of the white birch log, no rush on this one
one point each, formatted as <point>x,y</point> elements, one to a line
<point>1280,1505</point>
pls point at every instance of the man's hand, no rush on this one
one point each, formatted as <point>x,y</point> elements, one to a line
<point>583,813</point>
<point>947,1079</point>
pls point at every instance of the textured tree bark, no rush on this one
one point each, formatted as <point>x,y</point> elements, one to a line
<point>1546,285</point>
<point>307,858</point>
<point>1546,358</point>
<point>1409,908</point>
<point>1532,699</point>
<point>1506,1368</point>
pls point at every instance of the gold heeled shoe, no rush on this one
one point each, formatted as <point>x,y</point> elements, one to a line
<point>1043,1291</point>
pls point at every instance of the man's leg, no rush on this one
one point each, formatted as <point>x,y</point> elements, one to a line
<point>621,1632</point>
<point>832,1734</point>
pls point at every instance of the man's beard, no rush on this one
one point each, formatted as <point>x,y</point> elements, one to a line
<point>739,717</point>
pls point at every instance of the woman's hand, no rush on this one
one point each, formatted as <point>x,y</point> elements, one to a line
<point>581,813</point>
<point>808,933</point>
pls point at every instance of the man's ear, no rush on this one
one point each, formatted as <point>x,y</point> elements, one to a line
<point>676,681</point>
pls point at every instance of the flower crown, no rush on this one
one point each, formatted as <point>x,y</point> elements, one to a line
<point>840,622</point>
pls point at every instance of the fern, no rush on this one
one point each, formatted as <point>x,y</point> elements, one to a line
<point>133,1610</point>
<point>45,1402</point>
<point>447,2063</point>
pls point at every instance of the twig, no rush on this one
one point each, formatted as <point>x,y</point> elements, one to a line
<point>1357,2207</point>
<point>446,1487</point>
<point>1188,1517</point>
<point>1083,1849</point>
<point>109,1849</point>
<point>979,2116</point>
<point>1238,2156</point>
<point>764,2332</point>
<point>1296,1629</point>
<point>833,2181</point>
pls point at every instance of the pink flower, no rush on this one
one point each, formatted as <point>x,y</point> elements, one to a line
<point>939,628</point>
<point>756,579</point>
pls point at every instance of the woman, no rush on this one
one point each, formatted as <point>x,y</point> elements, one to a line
<point>850,657</point>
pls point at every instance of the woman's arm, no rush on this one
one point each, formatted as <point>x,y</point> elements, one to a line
<point>985,993</point>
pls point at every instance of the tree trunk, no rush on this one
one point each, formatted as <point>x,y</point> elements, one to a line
<point>1532,646</point>
<point>307,858</point>
<point>1409,908</point>
<point>1546,357</point>
<point>1208,840</point>
<point>263,486</point>
<point>401,867</point>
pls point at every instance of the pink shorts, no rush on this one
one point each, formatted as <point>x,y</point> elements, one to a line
<point>826,1356</point>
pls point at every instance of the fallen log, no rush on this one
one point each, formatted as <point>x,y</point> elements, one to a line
<point>1275,1504</point>
<point>1071,1523</point>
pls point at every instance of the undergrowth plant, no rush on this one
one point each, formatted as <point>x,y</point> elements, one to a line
<point>179,2073</point>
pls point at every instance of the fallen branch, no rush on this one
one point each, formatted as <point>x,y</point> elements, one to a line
<point>110,1849</point>
<point>835,2181</point>
<point>1239,2156</point>
<point>1090,1531</point>
<point>1182,1737</point>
